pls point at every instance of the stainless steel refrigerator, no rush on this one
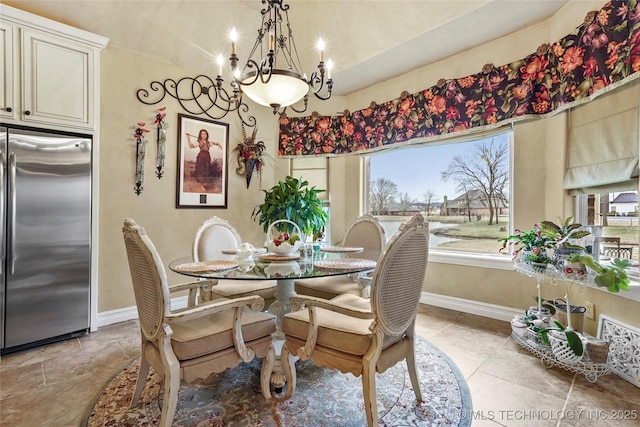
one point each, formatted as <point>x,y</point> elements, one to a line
<point>45,241</point>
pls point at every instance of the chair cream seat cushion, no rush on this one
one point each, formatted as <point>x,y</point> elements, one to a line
<point>327,287</point>
<point>241,288</point>
<point>335,331</point>
<point>213,333</point>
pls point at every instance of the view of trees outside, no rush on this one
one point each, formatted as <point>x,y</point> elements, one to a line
<point>462,189</point>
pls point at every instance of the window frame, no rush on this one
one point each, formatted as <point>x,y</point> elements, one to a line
<point>459,257</point>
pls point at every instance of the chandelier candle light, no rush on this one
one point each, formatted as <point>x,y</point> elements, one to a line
<point>272,75</point>
<point>262,80</point>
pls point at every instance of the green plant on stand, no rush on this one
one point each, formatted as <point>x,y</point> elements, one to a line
<point>562,233</point>
<point>573,264</point>
<point>537,262</point>
<point>573,339</point>
<point>523,242</point>
<point>293,200</point>
<point>613,277</point>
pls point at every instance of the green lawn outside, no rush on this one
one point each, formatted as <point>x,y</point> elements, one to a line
<point>480,236</point>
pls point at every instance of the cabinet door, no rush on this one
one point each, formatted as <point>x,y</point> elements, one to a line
<point>8,88</point>
<point>58,81</point>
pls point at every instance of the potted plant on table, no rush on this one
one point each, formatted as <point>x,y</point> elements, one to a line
<point>569,347</point>
<point>613,277</point>
<point>524,243</point>
<point>561,236</point>
<point>537,262</point>
<point>293,200</point>
<point>573,264</point>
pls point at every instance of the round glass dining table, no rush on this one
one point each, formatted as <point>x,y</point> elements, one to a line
<point>285,270</point>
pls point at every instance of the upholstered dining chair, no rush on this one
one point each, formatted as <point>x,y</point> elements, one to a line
<point>194,342</point>
<point>365,232</point>
<point>212,237</point>
<point>364,336</point>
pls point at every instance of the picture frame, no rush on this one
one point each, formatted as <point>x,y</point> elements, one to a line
<point>202,174</point>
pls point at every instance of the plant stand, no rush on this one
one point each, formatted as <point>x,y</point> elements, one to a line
<point>592,371</point>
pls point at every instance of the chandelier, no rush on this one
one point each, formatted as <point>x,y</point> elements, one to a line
<point>272,75</point>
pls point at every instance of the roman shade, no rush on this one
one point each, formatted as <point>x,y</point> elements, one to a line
<point>315,170</point>
<point>603,143</point>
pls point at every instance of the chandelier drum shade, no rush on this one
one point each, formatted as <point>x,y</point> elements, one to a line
<point>272,75</point>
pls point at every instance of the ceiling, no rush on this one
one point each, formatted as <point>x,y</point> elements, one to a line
<point>367,40</point>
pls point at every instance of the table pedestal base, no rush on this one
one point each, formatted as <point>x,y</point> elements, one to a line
<point>280,307</point>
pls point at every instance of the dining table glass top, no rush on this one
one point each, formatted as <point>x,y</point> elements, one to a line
<point>261,266</point>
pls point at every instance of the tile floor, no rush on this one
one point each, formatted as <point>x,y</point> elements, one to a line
<point>53,385</point>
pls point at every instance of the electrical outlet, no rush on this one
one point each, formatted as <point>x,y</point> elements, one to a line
<point>591,310</point>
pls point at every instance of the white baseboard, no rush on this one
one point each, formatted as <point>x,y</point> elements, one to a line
<point>129,313</point>
<point>452,303</point>
<point>483,309</point>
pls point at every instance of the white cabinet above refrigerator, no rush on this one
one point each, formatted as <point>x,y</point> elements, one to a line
<point>49,72</point>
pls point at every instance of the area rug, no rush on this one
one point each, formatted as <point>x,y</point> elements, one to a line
<point>323,397</point>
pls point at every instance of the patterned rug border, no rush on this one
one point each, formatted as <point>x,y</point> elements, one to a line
<point>465,392</point>
<point>94,400</point>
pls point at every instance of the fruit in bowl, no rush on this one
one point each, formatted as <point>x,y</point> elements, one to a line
<point>284,243</point>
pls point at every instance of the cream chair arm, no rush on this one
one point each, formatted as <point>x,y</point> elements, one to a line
<point>255,302</point>
<point>190,285</point>
<point>312,303</point>
<point>298,302</point>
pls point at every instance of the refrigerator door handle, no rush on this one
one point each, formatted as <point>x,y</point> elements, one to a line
<point>12,211</point>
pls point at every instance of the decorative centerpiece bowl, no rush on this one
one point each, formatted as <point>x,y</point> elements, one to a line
<point>284,238</point>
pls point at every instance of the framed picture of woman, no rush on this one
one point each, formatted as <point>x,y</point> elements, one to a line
<point>202,175</point>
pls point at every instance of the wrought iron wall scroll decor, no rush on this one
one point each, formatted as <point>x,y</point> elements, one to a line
<point>200,95</point>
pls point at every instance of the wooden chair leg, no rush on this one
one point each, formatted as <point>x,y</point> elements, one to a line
<point>412,367</point>
<point>369,391</point>
<point>289,364</point>
<point>170,402</point>
<point>171,367</point>
<point>265,373</point>
<point>142,380</point>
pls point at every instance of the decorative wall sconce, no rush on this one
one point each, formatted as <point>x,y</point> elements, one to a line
<point>161,138</point>
<point>250,155</point>
<point>140,151</point>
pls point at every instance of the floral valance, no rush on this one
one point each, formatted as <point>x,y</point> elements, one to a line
<point>601,54</point>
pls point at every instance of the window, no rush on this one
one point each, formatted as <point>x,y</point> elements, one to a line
<point>461,188</point>
<point>613,219</point>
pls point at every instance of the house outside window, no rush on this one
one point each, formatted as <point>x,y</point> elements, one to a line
<point>461,188</point>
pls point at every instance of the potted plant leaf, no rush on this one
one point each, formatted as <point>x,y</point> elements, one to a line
<point>561,235</point>
<point>573,265</point>
<point>537,262</point>
<point>293,200</point>
<point>613,277</point>
<point>570,340</point>
<point>525,242</point>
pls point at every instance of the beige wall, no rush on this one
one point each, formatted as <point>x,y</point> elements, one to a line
<point>171,229</point>
<point>538,170</point>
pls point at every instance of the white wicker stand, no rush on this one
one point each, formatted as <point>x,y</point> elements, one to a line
<point>590,370</point>
<point>584,366</point>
